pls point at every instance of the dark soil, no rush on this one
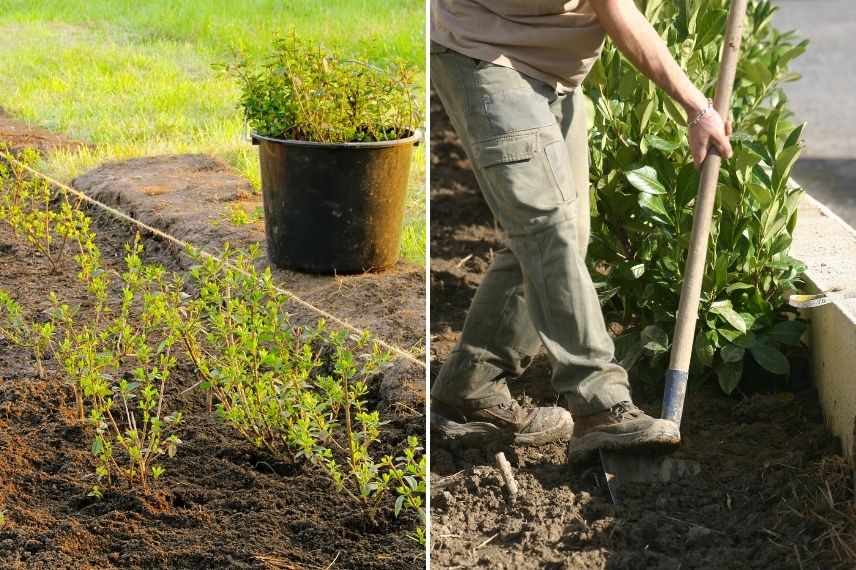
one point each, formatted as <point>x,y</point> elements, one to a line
<point>222,502</point>
<point>754,503</point>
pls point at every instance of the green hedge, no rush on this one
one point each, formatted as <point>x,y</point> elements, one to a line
<point>644,185</point>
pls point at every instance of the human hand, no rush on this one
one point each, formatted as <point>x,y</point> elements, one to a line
<point>709,131</point>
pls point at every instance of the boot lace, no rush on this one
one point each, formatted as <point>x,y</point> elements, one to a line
<point>626,410</point>
<point>516,411</point>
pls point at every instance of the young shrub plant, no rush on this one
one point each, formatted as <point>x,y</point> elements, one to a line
<point>298,392</point>
<point>121,360</point>
<point>48,224</point>
<point>644,186</point>
<point>305,92</point>
<point>18,330</point>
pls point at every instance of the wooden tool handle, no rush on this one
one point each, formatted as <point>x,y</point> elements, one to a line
<point>682,342</point>
<point>694,270</point>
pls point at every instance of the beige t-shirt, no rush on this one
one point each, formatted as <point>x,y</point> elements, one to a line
<point>555,41</point>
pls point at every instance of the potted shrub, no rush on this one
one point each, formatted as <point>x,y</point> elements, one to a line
<point>335,140</point>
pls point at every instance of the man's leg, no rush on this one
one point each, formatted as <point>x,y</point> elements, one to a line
<point>622,424</point>
<point>523,142</point>
<point>498,340</point>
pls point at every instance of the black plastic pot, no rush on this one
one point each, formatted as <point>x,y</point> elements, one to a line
<point>334,208</point>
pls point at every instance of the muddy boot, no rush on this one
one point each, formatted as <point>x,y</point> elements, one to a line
<point>505,423</point>
<point>620,427</point>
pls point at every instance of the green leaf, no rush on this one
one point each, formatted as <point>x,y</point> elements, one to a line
<point>770,358</point>
<point>732,353</point>
<point>773,132</point>
<point>760,193</point>
<point>729,376</point>
<point>788,332</point>
<point>749,319</point>
<point>772,232</point>
<point>729,334</point>
<point>645,180</point>
<point>646,116</point>
<point>768,220</point>
<point>687,185</point>
<point>756,72</point>
<point>675,112</point>
<point>738,286</point>
<point>793,139</point>
<point>662,144</point>
<point>710,27</point>
<point>654,340</point>
<point>705,347</point>
<point>721,270</point>
<point>745,157</point>
<point>655,205</point>
<point>399,503</point>
<point>792,53</point>
<point>792,202</point>
<point>784,163</point>
<point>729,196</point>
<point>727,312</point>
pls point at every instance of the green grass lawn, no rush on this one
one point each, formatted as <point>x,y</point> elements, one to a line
<point>136,78</point>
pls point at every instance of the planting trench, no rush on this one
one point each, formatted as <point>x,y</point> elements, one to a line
<point>773,491</point>
<point>222,503</point>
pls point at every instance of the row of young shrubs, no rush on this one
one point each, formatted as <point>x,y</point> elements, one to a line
<point>299,392</point>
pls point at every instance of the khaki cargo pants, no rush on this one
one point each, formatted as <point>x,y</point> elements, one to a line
<point>529,150</point>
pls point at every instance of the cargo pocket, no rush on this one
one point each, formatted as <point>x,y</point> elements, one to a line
<point>521,180</point>
<point>513,147</point>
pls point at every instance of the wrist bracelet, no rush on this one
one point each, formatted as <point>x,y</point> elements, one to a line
<point>701,115</point>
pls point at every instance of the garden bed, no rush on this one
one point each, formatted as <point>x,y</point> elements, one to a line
<point>221,504</point>
<point>773,491</point>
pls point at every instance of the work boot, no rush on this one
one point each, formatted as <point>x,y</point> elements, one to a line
<point>506,423</point>
<point>620,427</point>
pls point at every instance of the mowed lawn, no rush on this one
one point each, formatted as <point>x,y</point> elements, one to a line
<point>136,78</point>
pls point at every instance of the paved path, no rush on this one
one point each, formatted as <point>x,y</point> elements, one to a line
<point>826,99</point>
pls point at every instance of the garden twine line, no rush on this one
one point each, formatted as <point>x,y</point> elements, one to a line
<point>185,245</point>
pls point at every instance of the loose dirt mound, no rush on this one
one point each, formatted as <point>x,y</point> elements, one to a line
<point>753,505</point>
<point>18,135</point>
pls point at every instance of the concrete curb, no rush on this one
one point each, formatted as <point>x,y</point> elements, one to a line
<point>827,245</point>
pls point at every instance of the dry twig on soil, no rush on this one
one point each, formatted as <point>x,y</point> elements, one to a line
<point>507,476</point>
